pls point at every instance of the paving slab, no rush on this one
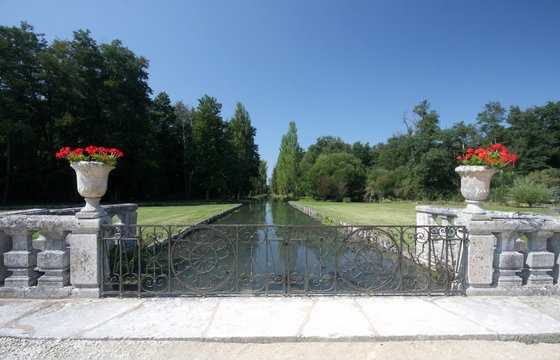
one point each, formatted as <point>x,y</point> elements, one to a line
<point>337,318</point>
<point>259,318</point>
<point>159,319</point>
<point>501,315</point>
<point>66,318</point>
<point>12,310</point>
<point>278,319</point>
<point>414,316</point>
<point>547,305</point>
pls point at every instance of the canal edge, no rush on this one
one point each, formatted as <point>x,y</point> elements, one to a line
<point>219,216</point>
<point>325,220</point>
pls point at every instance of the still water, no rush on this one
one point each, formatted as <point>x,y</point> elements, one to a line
<point>269,213</point>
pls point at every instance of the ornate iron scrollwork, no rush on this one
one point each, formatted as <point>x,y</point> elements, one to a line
<point>277,260</point>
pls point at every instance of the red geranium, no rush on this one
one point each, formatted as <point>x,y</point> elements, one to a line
<point>90,153</point>
<point>496,155</point>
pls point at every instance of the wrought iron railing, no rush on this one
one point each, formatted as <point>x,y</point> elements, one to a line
<point>214,260</point>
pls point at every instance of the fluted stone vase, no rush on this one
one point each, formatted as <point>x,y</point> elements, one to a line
<point>475,186</point>
<point>92,178</point>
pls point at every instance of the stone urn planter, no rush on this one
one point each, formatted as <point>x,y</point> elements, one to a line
<point>92,178</point>
<point>475,186</point>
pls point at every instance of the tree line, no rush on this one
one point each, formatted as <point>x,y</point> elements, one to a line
<point>419,163</point>
<point>78,93</point>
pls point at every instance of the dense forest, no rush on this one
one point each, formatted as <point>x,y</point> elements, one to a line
<point>419,163</point>
<point>78,93</point>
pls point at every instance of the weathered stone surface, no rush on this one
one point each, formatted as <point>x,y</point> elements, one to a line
<point>481,251</point>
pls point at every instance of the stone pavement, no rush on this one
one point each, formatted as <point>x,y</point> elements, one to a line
<point>283,319</point>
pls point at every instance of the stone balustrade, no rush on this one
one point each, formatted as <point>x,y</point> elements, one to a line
<point>508,253</point>
<point>53,253</point>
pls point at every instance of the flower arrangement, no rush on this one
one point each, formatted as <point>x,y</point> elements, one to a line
<point>495,155</point>
<point>90,153</point>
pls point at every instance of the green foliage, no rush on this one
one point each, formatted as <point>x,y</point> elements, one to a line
<point>526,191</point>
<point>490,122</point>
<point>244,162</point>
<point>535,134</point>
<point>335,176</point>
<point>287,167</point>
<point>209,146</point>
<point>76,93</point>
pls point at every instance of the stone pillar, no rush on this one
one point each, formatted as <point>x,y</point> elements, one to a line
<point>86,257</point>
<point>5,246</point>
<point>507,261</point>
<point>21,260</point>
<point>480,258</point>
<point>540,262</point>
<point>54,261</point>
<point>481,253</point>
<point>554,247</point>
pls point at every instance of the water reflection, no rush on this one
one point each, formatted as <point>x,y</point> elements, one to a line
<point>269,213</point>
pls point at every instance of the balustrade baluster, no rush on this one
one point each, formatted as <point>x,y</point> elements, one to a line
<point>508,262</point>
<point>54,261</point>
<point>21,260</point>
<point>540,262</point>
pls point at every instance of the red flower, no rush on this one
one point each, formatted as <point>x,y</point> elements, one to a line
<point>90,153</point>
<point>495,155</point>
<point>91,149</point>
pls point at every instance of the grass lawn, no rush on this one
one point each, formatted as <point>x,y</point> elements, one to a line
<point>179,215</point>
<point>390,213</point>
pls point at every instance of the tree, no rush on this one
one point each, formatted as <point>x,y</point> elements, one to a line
<point>167,145</point>
<point>209,144</point>
<point>245,157</point>
<point>260,181</point>
<point>287,166</point>
<point>20,97</point>
<point>185,119</point>
<point>337,175</point>
<point>490,122</point>
<point>426,127</point>
<point>532,139</point>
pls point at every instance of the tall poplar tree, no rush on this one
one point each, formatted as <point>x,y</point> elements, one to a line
<point>244,162</point>
<point>185,120</point>
<point>287,166</point>
<point>209,141</point>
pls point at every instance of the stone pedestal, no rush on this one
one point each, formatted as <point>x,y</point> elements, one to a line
<point>540,262</point>
<point>5,246</point>
<point>86,257</point>
<point>508,262</point>
<point>54,261</point>
<point>21,260</point>
<point>481,251</point>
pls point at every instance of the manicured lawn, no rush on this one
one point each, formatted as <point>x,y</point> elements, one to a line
<point>179,215</point>
<point>390,213</point>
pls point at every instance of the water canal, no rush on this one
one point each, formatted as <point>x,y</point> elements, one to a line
<point>269,213</point>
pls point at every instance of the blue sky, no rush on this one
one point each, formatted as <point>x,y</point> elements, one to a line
<point>343,68</point>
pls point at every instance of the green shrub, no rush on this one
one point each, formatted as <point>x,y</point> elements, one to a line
<point>346,200</point>
<point>527,191</point>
